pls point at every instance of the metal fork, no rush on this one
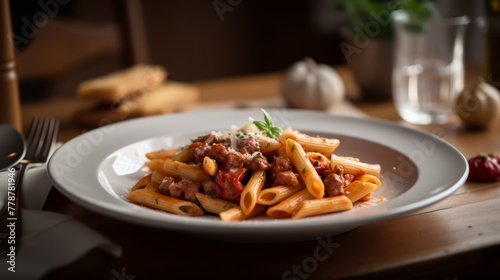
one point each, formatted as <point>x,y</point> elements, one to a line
<point>41,137</point>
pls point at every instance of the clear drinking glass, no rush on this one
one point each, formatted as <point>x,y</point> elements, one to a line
<point>428,70</point>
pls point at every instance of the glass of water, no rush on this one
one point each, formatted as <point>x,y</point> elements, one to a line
<point>428,70</point>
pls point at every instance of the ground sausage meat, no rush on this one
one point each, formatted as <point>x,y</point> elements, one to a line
<point>183,189</point>
<point>257,163</point>
<point>209,187</point>
<point>228,158</point>
<point>280,165</point>
<point>165,184</point>
<point>202,150</point>
<point>248,145</point>
<point>282,173</point>
<point>233,160</point>
<point>336,181</point>
<point>334,184</point>
<point>287,178</point>
<point>348,179</point>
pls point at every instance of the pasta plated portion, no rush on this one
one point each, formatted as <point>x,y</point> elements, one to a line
<point>256,169</point>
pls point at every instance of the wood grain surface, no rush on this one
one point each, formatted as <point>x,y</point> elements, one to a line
<point>455,238</point>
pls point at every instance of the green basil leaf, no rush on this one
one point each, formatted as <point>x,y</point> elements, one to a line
<point>276,130</point>
<point>267,118</point>
<point>260,125</point>
<point>269,133</point>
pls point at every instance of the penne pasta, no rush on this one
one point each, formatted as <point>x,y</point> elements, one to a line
<point>155,165</point>
<point>313,157</point>
<point>236,213</point>
<point>369,178</point>
<point>165,203</point>
<point>210,166</point>
<point>277,194</point>
<point>183,155</point>
<point>214,205</point>
<point>366,197</point>
<point>182,170</point>
<point>319,160</point>
<point>285,208</point>
<point>161,154</point>
<point>157,176</point>
<point>317,144</point>
<point>321,206</point>
<point>142,183</point>
<point>351,158</point>
<point>306,171</point>
<point>249,195</point>
<point>152,187</point>
<point>354,167</point>
<point>357,189</point>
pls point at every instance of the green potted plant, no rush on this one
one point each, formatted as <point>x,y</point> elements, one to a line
<point>368,45</point>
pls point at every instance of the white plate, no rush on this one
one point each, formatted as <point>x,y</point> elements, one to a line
<point>98,168</point>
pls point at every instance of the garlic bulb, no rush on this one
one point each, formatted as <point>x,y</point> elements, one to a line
<point>308,85</point>
<point>479,105</point>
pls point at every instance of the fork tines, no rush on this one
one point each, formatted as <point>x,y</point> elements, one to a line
<point>41,136</point>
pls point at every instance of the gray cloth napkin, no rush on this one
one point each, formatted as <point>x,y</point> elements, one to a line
<point>49,240</point>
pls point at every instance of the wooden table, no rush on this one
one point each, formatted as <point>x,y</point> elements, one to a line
<point>456,238</point>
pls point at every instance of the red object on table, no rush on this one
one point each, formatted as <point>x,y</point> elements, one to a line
<point>484,168</point>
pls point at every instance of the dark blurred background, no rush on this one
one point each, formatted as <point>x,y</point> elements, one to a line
<point>63,42</point>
